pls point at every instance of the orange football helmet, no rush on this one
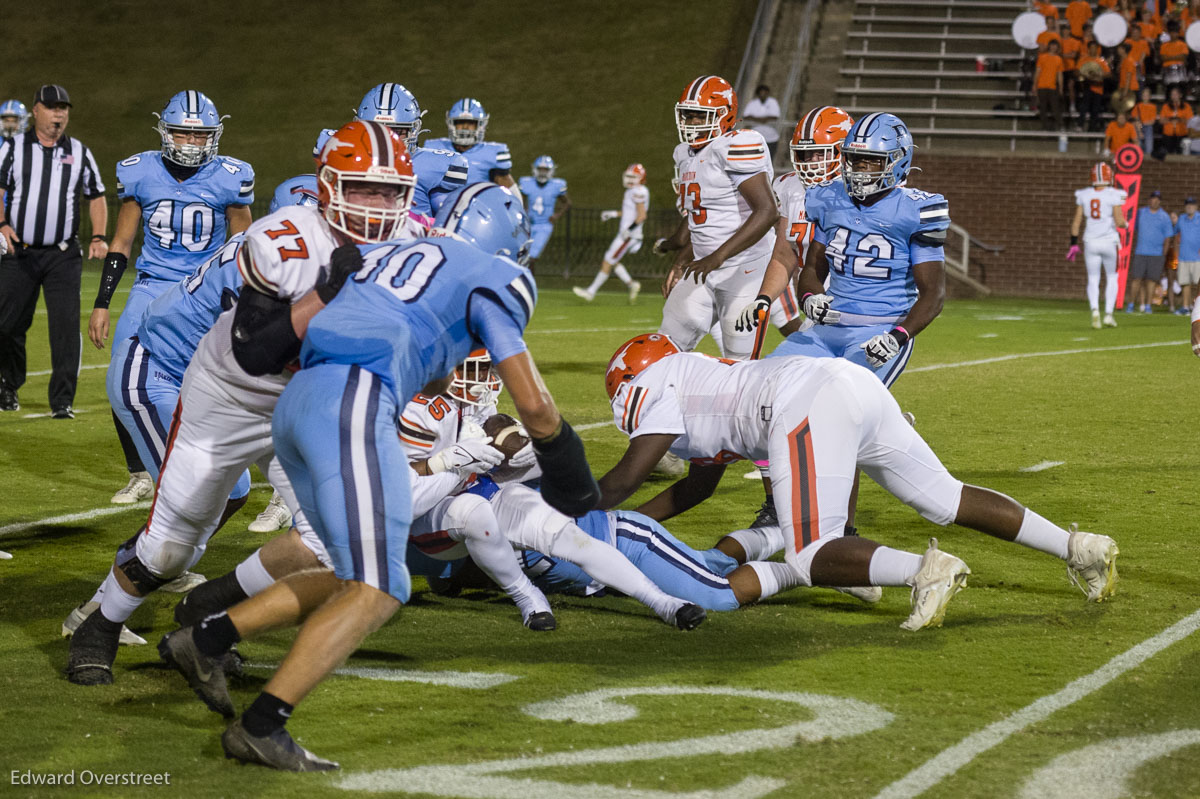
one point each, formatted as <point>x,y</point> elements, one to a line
<point>817,144</point>
<point>712,98</point>
<point>364,152</point>
<point>633,175</point>
<point>1102,175</point>
<point>474,381</point>
<point>635,355</point>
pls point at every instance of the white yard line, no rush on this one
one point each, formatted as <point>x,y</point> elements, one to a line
<point>45,372</point>
<point>1041,467</point>
<point>1019,356</point>
<point>478,680</point>
<point>626,329</point>
<point>87,515</point>
<point>949,761</point>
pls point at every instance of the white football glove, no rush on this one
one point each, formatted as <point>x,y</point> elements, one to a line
<point>467,456</point>
<point>3,246</point>
<point>657,248</point>
<point>748,319</point>
<point>524,457</point>
<point>881,349</point>
<point>816,308</point>
<point>606,216</point>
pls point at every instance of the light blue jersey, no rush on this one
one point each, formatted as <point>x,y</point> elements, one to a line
<point>1153,230</point>
<point>482,157</point>
<point>175,322</point>
<point>416,310</point>
<point>676,568</point>
<point>183,222</point>
<point>872,248</point>
<point>438,172</point>
<point>540,198</point>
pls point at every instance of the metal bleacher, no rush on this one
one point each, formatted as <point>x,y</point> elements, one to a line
<point>951,70</point>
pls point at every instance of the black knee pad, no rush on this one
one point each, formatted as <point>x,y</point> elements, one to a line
<point>142,578</point>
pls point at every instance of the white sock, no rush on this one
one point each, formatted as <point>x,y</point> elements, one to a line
<point>622,274</point>
<point>252,575</point>
<point>893,566</point>
<point>1043,535</point>
<point>774,577</point>
<point>608,566</point>
<point>116,605</point>
<point>475,524</point>
<point>759,543</point>
<point>99,595</point>
<point>597,282</point>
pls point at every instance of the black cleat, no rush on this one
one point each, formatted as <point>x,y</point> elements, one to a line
<point>93,650</point>
<point>276,750</point>
<point>766,515</point>
<point>689,617</point>
<point>541,622</point>
<point>8,400</point>
<point>204,674</point>
<point>65,412</point>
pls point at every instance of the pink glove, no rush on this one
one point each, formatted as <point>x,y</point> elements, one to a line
<point>1074,251</point>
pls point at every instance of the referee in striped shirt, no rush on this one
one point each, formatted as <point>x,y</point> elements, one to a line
<point>43,173</point>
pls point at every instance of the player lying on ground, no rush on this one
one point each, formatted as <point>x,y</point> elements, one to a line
<point>818,420</point>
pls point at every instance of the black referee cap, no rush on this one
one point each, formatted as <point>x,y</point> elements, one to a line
<point>52,94</point>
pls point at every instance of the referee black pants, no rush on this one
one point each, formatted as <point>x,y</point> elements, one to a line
<point>57,273</point>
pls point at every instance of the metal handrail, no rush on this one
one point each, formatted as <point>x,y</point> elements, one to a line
<point>760,33</point>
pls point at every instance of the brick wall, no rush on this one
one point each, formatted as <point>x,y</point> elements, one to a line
<point>1025,203</point>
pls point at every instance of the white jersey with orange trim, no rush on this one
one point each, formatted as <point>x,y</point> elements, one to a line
<point>1098,205</point>
<point>429,424</point>
<point>719,409</point>
<point>789,195</point>
<point>709,181</point>
<point>629,203</point>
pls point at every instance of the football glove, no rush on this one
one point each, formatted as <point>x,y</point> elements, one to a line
<point>657,248</point>
<point>882,348</point>
<point>343,262</point>
<point>524,457</point>
<point>1073,252</point>
<point>748,319</point>
<point>467,456</point>
<point>816,308</point>
<point>606,216</point>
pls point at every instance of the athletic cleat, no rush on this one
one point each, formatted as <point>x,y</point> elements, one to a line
<point>5,555</point>
<point>541,622</point>
<point>671,465</point>
<point>139,487</point>
<point>941,577</point>
<point>1096,319</point>
<point>866,593</point>
<point>690,616</point>
<point>583,294</point>
<point>276,750</point>
<point>1092,563</point>
<point>75,618</point>
<point>635,288</point>
<point>1109,321</point>
<point>766,516</point>
<point>275,516</point>
<point>204,674</point>
<point>184,583</point>
<point>93,650</point>
<point>8,400</point>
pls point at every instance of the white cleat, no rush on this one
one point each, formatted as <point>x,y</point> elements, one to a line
<point>583,294</point>
<point>4,555</point>
<point>75,618</point>
<point>671,465</point>
<point>275,516</point>
<point>941,577</point>
<point>184,583</point>
<point>139,487</point>
<point>1092,563</point>
<point>865,593</point>
<point>635,288</point>
<point>1109,321</point>
<point>1096,319</point>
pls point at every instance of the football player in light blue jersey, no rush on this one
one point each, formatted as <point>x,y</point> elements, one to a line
<point>546,201</point>
<point>188,199</point>
<point>880,243</point>
<point>405,319</point>
<point>488,160</point>
<point>300,190</point>
<point>438,171</point>
<point>14,118</point>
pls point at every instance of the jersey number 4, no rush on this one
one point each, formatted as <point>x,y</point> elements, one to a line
<point>689,197</point>
<point>862,254</point>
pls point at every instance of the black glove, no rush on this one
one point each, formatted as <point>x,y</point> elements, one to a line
<point>567,482</point>
<point>344,262</point>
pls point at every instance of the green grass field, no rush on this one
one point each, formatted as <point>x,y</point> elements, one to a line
<point>809,694</point>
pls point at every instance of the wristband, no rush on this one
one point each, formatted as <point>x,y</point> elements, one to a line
<point>804,299</point>
<point>100,238</point>
<point>764,298</point>
<point>110,276</point>
<point>1074,240</point>
<point>900,334</point>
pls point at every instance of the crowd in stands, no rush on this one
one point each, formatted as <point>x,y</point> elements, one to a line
<point>1145,83</point>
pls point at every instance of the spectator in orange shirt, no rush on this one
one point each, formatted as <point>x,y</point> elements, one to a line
<point>1093,77</point>
<point>1127,73</point>
<point>1077,13</point>
<point>1119,133</point>
<point>1173,54</point>
<point>1145,114</point>
<point>1109,4</point>
<point>1048,80</point>
<point>1047,10</point>
<point>1072,50</point>
<point>1139,48</point>
<point>1174,115</point>
<point>1047,36</point>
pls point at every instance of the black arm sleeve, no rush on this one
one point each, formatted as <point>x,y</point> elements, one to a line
<point>110,276</point>
<point>567,482</point>
<point>264,341</point>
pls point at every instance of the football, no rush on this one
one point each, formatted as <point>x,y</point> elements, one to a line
<point>508,435</point>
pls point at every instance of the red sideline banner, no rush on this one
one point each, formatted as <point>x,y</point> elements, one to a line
<point>1129,180</point>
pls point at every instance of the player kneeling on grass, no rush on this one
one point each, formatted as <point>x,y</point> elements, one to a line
<point>817,420</point>
<point>398,324</point>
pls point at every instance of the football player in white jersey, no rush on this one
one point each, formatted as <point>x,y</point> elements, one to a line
<point>725,186</point>
<point>818,420</point>
<point>292,262</point>
<point>634,206</point>
<point>1101,205</point>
